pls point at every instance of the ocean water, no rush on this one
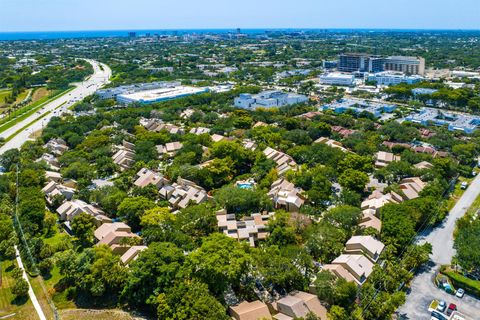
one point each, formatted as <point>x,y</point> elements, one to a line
<point>51,35</point>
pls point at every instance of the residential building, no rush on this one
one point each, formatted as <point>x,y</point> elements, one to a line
<point>199,130</point>
<point>407,65</point>
<point>115,235</point>
<point>249,144</point>
<point>54,189</point>
<point>377,200</point>
<point>182,193</point>
<point>146,177</point>
<point>423,165</point>
<point>351,267</point>
<point>370,220</point>
<point>53,176</point>
<point>366,245</point>
<point>217,137</point>
<point>338,79</point>
<point>169,149</point>
<point>286,196</point>
<point>125,155</point>
<point>331,143</point>
<point>158,125</point>
<point>132,254</point>
<point>268,99</point>
<point>411,187</point>
<point>250,228</point>
<point>70,209</point>
<point>284,161</point>
<point>50,160</point>
<point>250,311</point>
<point>56,146</point>
<point>297,305</point>
<point>382,158</point>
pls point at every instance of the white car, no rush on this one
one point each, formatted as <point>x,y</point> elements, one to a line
<point>464,185</point>
<point>442,305</point>
<point>460,292</point>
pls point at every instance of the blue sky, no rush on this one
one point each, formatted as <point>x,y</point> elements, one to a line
<point>46,15</point>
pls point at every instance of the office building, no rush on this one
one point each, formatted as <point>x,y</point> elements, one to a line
<point>337,79</point>
<point>268,99</point>
<point>359,106</point>
<point>388,78</point>
<point>453,120</point>
<point>407,65</point>
<point>359,62</point>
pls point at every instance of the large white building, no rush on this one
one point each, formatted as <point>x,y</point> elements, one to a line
<point>158,95</point>
<point>388,78</point>
<point>112,93</point>
<point>268,99</point>
<point>338,79</point>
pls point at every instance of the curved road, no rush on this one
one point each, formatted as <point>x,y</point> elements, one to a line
<point>423,291</point>
<point>99,78</point>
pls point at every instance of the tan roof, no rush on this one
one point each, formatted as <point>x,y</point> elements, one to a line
<point>254,310</point>
<point>132,254</point>
<point>106,228</point>
<point>367,245</point>
<point>313,304</point>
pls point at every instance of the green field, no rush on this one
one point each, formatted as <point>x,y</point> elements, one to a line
<point>27,111</point>
<point>8,304</point>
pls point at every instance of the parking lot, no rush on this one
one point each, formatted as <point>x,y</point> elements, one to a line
<point>423,291</point>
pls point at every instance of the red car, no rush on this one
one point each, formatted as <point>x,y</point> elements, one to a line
<point>452,307</point>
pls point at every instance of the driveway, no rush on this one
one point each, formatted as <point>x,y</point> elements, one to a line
<point>423,290</point>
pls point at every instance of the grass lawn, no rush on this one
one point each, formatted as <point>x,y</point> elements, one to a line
<point>3,94</point>
<point>23,310</point>
<point>28,110</point>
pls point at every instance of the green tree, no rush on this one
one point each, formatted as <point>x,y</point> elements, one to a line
<point>189,300</point>
<point>152,273</point>
<point>219,262</point>
<point>83,226</point>
<point>132,210</point>
<point>353,179</point>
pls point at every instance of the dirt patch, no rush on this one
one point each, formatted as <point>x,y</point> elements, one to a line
<point>39,94</point>
<point>91,314</point>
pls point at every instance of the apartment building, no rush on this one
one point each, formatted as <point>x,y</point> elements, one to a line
<point>125,155</point>
<point>286,196</point>
<point>284,161</point>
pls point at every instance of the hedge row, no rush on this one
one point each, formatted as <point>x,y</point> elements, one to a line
<point>459,281</point>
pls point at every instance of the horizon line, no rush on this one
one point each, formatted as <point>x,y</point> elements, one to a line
<point>251,28</point>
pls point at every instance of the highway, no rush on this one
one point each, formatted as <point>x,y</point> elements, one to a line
<point>56,107</point>
<point>423,291</point>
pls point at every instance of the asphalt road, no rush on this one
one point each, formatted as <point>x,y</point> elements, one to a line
<point>83,89</point>
<point>423,290</point>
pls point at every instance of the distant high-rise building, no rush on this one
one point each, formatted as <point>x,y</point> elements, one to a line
<point>132,34</point>
<point>408,65</point>
<point>239,31</point>
<point>359,62</point>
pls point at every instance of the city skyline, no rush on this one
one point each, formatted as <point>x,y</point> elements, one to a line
<point>56,15</point>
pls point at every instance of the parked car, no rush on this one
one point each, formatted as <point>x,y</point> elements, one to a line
<point>460,292</point>
<point>436,316</point>
<point>442,305</point>
<point>464,185</point>
<point>451,307</point>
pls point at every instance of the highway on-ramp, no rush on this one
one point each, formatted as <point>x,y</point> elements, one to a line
<point>423,290</point>
<point>56,107</point>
